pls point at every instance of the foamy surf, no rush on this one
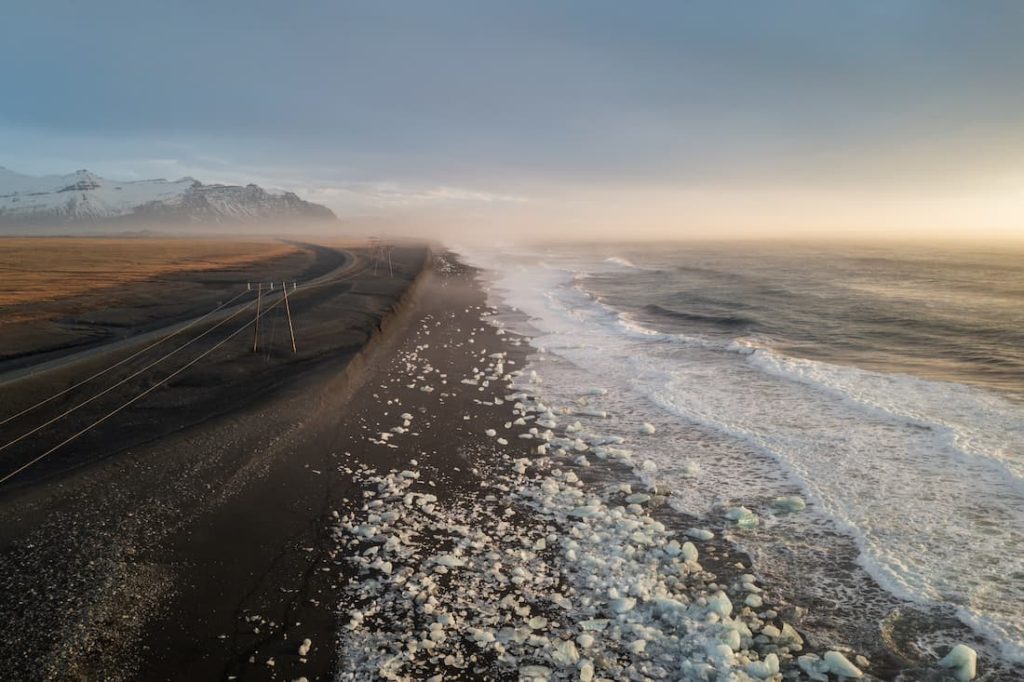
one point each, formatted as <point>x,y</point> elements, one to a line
<point>920,474</point>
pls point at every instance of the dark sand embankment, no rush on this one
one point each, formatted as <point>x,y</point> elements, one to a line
<point>88,535</point>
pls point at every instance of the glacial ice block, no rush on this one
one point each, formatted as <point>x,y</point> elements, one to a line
<point>742,517</point>
<point>839,666</point>
<point>964,662</point>
<point>789,503</point>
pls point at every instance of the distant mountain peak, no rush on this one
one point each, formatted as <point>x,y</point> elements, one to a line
<point>84,197</point>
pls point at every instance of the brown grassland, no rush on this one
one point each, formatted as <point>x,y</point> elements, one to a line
<point>46,269</point>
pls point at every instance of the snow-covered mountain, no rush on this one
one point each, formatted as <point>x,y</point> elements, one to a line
<point>86,198</point>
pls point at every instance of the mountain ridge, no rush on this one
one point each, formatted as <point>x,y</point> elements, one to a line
<point>85,198</point>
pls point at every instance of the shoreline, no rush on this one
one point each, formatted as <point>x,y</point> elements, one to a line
<point>306,526</point>
<point>719,410</point>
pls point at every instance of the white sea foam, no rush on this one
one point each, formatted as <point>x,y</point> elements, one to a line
<point>913,470</point>
<point>616,260</point>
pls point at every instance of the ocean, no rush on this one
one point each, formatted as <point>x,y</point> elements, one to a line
<point>884,386</point>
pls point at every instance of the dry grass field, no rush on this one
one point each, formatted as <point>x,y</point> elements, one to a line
<point>47,269</point>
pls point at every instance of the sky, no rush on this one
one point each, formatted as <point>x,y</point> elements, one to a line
<point>594,119</point>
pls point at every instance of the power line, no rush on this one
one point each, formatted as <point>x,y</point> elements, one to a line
<point>158,384</point>
<point>121,362</point>
<point>135,399</point>
<point>126,379</point>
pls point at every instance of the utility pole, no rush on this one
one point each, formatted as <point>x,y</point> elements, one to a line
<point>291,330</point>
<point>259,301</point>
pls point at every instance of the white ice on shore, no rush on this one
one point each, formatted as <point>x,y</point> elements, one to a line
<point>963,661</point>
<point>536,574</point>
<point>742,517</point>
<point>789,503</point>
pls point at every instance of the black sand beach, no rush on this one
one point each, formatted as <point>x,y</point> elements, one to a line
<point>212,529</point>
<point>96,538</point>
<point>195,537</point>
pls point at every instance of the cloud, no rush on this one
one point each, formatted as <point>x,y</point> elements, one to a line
<point>505,106</point>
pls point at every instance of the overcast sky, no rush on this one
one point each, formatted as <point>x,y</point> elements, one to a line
<point>649,118</point>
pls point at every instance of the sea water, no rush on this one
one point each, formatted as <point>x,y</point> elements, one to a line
<point>884,386</point>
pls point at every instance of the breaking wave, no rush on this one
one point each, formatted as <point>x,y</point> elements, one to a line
<point>915,471</point>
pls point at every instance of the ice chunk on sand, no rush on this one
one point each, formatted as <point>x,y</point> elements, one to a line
<point>534,672</point>
<point>565,654</point>
<point>648,429</point>
<point>764,669</point>
<point>839,666</point>
<point>720,604</point>
<point>585,511</point>
<point>742,517</point>
<point>622,604</point>
<point>789,503</point>
<point>304,648</point>
<point>594,624</point>
<point>585,640</point>
<point>700,534</point>
<point>964,662</point>
<point>449,560</point>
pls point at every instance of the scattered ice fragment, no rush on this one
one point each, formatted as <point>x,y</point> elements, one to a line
<point>789,503</point>
<point>700,534</point>
<point>964,662</point>
<point>648,429</point>
<point>838,665</point>
<point>565,654</point>
<point>764,669</point>
<point>622,604</point>
<point>304,648</point>
<point>719,603</point>
<point>742,517</point>
<point>534,673</point>
<point>585,511</point>
<point>585,640</point>
<point>449,560</point>
<point>594,624</point>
